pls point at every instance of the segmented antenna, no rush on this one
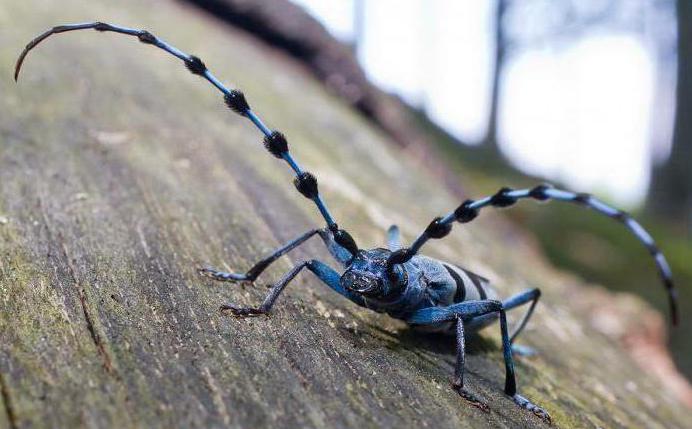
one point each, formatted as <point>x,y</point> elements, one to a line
<point>506,197</point>
<point>274,141</point>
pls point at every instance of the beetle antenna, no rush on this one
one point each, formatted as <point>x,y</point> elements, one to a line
<point>274,141</point>
<point>506,197</point>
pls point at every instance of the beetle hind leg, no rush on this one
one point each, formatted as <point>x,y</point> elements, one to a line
<point>528,296</point>
<point>467,311</point>
<point>530,406</point>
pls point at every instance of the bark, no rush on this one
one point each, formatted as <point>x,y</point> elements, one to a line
<point>120,173</point>
<point>671,187</point>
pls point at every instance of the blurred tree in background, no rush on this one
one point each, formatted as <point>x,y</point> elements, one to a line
<point>495,90</point>
<point>670,192</point>
<point>671,187</point>
<point>597,249</point>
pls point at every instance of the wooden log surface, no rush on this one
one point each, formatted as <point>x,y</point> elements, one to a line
<point>120,173</point>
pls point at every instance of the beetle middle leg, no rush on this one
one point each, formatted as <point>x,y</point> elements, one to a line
<point>458,383</point>
<point>321,270</point>
<point>465,312</point>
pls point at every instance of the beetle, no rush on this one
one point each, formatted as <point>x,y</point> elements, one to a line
<point>428,294</point>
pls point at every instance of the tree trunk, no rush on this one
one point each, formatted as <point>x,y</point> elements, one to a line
<point>496,84</point>
<point>671,188</point>
<point>120,173</point>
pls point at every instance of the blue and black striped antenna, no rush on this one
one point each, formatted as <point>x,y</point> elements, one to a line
<point>506,197</point>
<point>274,141</point>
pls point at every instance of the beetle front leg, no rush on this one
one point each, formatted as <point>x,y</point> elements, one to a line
<point>260,266</point>
<point>321,270</point>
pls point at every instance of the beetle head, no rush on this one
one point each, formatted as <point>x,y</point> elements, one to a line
<point>367,274</point>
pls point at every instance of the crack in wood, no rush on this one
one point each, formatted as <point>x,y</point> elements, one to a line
<point>11,416</point>
<point>216,396</point>
<point>294,365</point>
<point>96,338</point>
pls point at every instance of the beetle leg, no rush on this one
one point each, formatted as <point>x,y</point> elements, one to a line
<point>468,310</point>
<point>458,382</point>
<point>321,270</point>
<point>528,296</point>
<point>260,266</point>
<point>393,238</point>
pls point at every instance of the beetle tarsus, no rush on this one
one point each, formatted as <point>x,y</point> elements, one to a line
<point>472,399</point>
<point>535,409</point>
<point>242,311</point>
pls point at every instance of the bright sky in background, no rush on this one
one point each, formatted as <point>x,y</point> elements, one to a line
<point>581,114</point>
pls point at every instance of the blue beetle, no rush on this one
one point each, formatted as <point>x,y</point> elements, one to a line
<point>428,294</point>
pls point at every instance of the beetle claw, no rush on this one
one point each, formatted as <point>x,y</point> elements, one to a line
<point>528,405</point>
<point>242,311</point>
<point>472,399</point>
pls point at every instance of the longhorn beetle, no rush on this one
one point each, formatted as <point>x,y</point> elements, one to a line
<point>426,293</point>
